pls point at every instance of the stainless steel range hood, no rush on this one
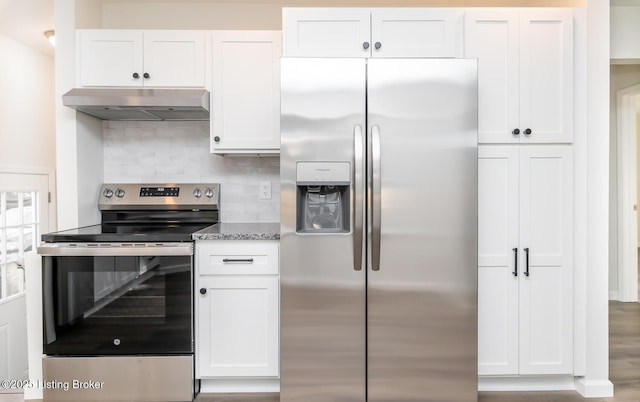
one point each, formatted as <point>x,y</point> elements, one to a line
<point>140,104</point>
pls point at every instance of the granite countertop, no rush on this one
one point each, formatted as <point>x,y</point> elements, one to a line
<point>240,231</point>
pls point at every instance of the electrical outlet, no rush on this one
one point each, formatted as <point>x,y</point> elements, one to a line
<point>265,190</point>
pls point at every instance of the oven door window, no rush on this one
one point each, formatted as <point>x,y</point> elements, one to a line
<point>117,305</point>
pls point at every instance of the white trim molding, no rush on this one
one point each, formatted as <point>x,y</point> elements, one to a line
<point>594,389</point>
<point>233,385</point>
<point>526,383</point>
<point>626,111</point>
<point>597,274</point>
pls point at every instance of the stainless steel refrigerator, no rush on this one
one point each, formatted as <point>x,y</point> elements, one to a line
<point>379,230</point>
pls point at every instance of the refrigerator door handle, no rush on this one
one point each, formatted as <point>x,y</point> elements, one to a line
<point>376,209</point>
<point>356,199</point>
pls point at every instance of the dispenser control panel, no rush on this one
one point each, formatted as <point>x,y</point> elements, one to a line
<point>337,173</point>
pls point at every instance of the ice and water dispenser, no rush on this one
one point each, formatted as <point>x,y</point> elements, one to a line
<point>322,199</point>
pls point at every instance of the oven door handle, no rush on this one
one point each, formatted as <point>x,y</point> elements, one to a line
<point>115,249</point>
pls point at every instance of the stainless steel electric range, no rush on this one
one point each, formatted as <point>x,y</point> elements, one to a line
<point>118,296</point>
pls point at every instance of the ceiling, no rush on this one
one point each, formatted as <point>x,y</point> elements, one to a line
<point>26,21</point>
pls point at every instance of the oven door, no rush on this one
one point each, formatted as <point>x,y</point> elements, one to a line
<point>117,299</point>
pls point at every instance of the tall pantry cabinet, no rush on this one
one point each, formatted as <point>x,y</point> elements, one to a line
<point>525,179</point>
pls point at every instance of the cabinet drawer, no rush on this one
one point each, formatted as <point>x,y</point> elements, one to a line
<point>237,257</point>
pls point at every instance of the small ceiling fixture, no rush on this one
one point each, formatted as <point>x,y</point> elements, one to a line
<point>51,35</point>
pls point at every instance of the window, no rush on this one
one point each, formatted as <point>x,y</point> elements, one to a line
<point>18,234</point>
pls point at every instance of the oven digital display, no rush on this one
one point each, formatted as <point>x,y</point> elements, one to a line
<point>159,191</point>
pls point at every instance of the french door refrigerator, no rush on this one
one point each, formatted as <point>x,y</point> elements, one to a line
<point>379,230</point>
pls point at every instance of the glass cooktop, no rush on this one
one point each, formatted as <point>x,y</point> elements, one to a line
<point>127,233</point>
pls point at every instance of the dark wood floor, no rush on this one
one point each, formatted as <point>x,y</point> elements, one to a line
<point>624,340</point>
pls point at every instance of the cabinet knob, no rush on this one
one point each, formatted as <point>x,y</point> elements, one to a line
<point>216,138</point>
<point>527,131</point>
<point>378,45</point>
<point>516,131</point>
<point>136,75</point>
<point>365,45</point>
<point>146,75</point>
<point>203,291</point>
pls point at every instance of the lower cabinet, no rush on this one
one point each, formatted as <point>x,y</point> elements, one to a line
<point>525,268</point>
<point>237,309</point>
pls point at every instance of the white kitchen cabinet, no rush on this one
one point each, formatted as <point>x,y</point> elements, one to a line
<point>237,317</point>
<point>525,281</point>
<point>525,73</point>
<point>246,92</point>
<point>370,32</point>
<point>134,58</point>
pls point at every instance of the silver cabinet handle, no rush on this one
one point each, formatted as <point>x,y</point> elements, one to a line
<point>228,260</point>
<point>356,199</point>
<point>376,209</point>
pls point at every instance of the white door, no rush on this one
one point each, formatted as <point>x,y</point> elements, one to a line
<point>246,91</point>
<point>109,57</point>
<point>23,217</point>
<point>174,58</point>
<point>491,36</point>
<point>326,32</point>
<point>497,252</point>
<point>546,75</point>
<point>414,32</point>
<point>546,232</point>
<point>238,331</point>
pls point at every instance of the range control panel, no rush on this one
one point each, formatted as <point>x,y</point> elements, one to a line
<point>160,196</point>
<point>159,191</point>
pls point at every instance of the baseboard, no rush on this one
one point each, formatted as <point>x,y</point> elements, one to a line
<point>33,394</point>
<point>613,295</point>
<point>594,389</point>
<point>234,385</point>
<point>527,383</point>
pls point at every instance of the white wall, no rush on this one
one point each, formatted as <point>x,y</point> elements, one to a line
<point>622,76</point>
<point>27,123</point>
<point>258,14</point>
<point>78,139</point>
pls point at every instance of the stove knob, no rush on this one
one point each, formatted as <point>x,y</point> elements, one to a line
<point>119,193</point>
<point>107,193</point>
<point>209,193</point>
<point>197,193</point>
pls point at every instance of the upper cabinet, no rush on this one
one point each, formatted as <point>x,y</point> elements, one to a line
<point>134,58</point>
<point>370,32</point>
<point>525,73</point>
<point>245,93</point>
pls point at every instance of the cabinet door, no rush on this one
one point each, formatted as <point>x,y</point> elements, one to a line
<point>238,327</point>
<point>246,92</point>
<point>546,296</point>
<point>174,58</point>
<point>326,32</point>
<point>491,36</point>
<point>414,32</point>
<point>546,75</point>
<point>497,275</point>
<point>109,57</point>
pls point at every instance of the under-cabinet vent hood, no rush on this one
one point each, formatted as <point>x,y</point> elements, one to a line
<point>140,104</point>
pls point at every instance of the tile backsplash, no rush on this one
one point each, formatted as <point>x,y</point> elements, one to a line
<point>178,152</point>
